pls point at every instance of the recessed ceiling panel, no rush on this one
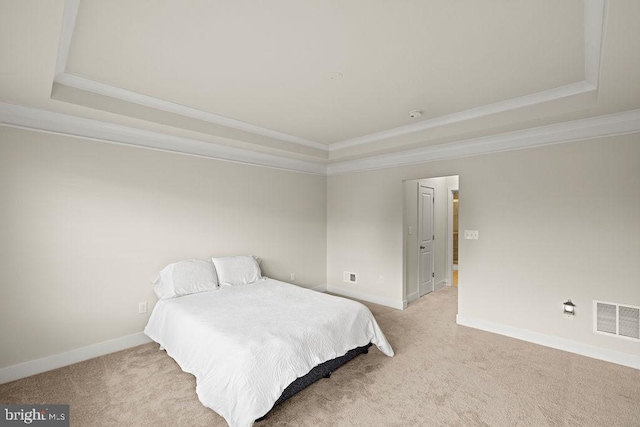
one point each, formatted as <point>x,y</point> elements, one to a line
<point>275,64</point>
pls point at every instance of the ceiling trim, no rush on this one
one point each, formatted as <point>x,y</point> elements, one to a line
<point>94,86</point>
<point>58,123</point>
<point>62,77</point>
<point>594,23</point>
<point>594,20</point>
<point>584,129</point>
<point>484,110</point>
<point>69,16</point>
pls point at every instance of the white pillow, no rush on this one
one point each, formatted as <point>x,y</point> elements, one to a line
<point>186,277</point>
<point>237,270</point>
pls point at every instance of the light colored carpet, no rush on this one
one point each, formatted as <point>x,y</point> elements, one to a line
<point>442,374</point>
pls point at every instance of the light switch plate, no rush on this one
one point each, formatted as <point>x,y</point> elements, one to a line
<point>471,234</point>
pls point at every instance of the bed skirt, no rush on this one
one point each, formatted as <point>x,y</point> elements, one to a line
<point>323,370</point>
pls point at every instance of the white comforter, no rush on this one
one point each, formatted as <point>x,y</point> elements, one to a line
<point>245,344</point>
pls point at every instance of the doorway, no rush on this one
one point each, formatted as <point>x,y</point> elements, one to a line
<point>416,278</point>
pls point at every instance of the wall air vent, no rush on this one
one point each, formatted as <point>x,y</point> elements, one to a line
<point>629,322</point>
<point>606,317</point>
<point>616,319</point>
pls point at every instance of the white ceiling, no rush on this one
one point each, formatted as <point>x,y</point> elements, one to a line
<point>257,76</point>
<point>268,63</point>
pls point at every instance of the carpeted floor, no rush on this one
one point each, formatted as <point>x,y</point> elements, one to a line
<point>442,374</point>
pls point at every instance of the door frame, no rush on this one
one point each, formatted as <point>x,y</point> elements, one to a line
<point>449,242</point>
<point>410,286</point>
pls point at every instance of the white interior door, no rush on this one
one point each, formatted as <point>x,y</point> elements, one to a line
<point>426,239</point>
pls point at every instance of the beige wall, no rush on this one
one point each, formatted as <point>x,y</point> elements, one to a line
<point>87,225</point>
<point>555,222</point>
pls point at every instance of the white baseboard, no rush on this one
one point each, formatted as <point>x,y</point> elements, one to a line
<point>320,288</point>
<point>410,298</point>
<point>415,295</point>
<point>397,304</point>
<point>625,359</point>
<point>32,367</point>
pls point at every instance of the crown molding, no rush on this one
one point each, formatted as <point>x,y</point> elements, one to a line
<point>584,129</point>
<point>62,77</point>
<point>594,22</point>
<point>484,110</point>
<point>59,123</point>
<point>69,16</point>
<point>594,19</point>
<point>111,91</point>
<point>65,124</point>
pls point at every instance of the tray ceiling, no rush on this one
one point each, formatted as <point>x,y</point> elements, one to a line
<point>322,87</point>
<point>270,68</point>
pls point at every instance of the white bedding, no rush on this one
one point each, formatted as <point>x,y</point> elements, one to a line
<point>245,344</point>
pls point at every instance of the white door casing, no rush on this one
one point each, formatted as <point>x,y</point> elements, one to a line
<point>449,251</point>
<point>426,236</point>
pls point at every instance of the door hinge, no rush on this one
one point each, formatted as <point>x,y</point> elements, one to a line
<point>433,237</point>
<point>433,275</point>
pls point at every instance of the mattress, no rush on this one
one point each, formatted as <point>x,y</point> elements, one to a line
<point>245,344</point>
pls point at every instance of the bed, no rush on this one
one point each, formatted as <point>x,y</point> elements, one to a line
<point>251,345</point>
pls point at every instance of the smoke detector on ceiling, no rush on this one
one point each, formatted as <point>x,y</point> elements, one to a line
<point>415,114</point>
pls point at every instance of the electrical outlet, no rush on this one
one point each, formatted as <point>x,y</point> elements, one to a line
<point>142,308</point>
<point>410,231</point>
<point>350,277</point>
<point>293,276</point>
